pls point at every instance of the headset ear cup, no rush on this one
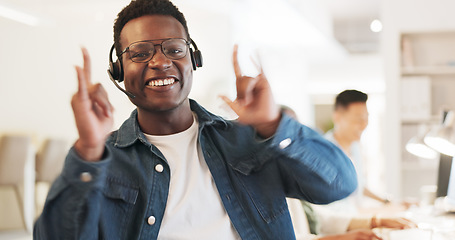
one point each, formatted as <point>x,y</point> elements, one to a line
<point>198,58</point>
<point>119,67</point>
<point>193,61</point>
<point>115,68</point>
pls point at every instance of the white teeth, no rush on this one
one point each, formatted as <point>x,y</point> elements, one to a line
<point>161,82</point>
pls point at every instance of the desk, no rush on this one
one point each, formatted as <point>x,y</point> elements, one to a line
<point>440,223</point>
<point>433,224</point>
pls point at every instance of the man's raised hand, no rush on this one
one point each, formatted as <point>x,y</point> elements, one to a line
<point>92,112</point>
<point>254,104</point>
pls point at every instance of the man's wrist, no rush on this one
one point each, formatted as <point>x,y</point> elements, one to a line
<point>91,154</point>
<point>268,129</point>
<point>375,222</point>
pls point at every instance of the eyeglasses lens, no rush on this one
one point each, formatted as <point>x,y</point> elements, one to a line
<point>171,48</point>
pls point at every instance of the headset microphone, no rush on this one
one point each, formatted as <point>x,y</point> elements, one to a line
<point>118,86</point>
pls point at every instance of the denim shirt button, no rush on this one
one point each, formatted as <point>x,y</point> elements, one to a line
<point>159,168</point>
<point>86,177</point>
<point>285,143</point>
<point>151,220</point>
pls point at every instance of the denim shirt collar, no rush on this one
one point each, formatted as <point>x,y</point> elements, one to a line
<point>130,132</point>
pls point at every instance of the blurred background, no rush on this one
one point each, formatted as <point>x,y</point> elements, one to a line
<point>399,52</point>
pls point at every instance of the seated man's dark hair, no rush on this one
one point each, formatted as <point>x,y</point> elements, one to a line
<point>347,97</point>
<point>139,8</point>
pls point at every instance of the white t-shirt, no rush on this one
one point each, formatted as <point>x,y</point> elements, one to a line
<point>194,209</point>
<point>351,203</point>
<point>299,220</point>
<point>330,222</point>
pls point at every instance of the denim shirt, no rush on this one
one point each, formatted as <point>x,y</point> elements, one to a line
<point>124,195</point>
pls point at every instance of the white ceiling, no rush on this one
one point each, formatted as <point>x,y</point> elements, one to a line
<point>351,23</point>
<point>337,8</point>
<point>348,16</point>
<point>343,9</point>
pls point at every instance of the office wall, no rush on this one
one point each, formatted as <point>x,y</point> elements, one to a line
<point>38,76</point>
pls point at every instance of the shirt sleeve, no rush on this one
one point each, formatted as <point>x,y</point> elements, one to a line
<point>312,168</point>
<point>72,207</point>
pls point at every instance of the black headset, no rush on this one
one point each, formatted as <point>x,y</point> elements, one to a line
<point>115,70</point>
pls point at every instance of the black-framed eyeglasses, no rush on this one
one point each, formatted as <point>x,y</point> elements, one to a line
<point>143,51</point>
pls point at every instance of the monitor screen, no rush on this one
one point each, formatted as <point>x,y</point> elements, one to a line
<point>451,187</point>
<point>445,166</point>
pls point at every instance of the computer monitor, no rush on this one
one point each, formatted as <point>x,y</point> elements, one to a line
<point>445,166</point>
<point>451,186</point>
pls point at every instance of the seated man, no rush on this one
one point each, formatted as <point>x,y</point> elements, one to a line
<point>350,118</point>
<point>324,224</point>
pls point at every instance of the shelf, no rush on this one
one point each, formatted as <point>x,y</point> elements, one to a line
<point>430,165</point>
<point>428,70</point>
<point>429,120</point>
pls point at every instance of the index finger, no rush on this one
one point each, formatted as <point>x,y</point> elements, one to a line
<point>87,66</point>
<point>82,82</point>
<point>237,71</point>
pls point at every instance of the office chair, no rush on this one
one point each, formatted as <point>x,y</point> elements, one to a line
<point>50,159</point>
<point>49,163</point>
<point>16,171</point>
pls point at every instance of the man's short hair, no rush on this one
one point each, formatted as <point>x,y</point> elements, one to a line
<point>139,8</point>
<point>347,97</point>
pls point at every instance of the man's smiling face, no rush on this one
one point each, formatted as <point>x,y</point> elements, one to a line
<point>160,84</point>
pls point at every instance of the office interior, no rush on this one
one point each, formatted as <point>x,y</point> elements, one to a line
<point>400,52</point>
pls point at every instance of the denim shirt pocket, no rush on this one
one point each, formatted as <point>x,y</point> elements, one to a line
<point>263,188</point>
<point>116,190</point>
<point>266,198</point>
<point>117,209</point>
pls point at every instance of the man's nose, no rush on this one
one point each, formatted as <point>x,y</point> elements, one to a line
<point>364,124</point>
<point>159,60</point>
